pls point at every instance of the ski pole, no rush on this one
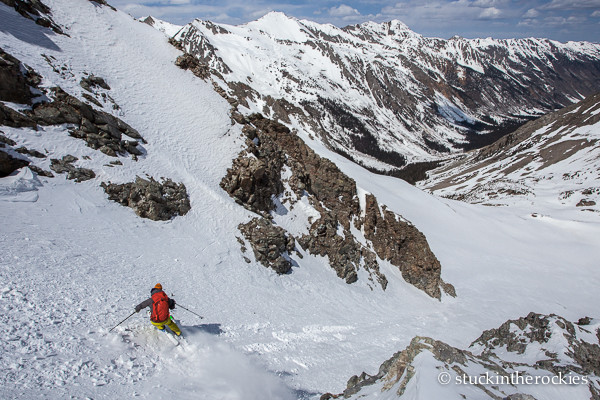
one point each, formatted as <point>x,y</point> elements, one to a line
<point>122,321</point>
<point>179,305</point>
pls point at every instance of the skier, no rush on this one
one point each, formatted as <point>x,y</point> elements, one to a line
<point>160,304</point>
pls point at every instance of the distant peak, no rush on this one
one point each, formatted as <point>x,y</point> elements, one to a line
<point>275,16</point>
<point>393,27</point>
<point>398,25</point>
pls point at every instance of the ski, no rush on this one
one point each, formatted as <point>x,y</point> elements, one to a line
<point>171,337</point>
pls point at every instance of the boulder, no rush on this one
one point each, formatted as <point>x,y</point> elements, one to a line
<point>271,244</point>
<point>90,82</point>
<point>158,201</point>
<point>9,164</point>
<point>65,165</point>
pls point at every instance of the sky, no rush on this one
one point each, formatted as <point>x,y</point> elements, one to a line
<point>562,20</point>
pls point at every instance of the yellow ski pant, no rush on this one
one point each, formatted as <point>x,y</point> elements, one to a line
<point>170,323</point>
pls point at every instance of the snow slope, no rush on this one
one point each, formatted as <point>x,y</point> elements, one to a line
<point>553,161</point>
<point>74,264</point>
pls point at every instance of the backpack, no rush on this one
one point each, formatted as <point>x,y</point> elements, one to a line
<point>160,307</point>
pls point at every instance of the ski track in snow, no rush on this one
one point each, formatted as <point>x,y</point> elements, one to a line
<point>74,264</point>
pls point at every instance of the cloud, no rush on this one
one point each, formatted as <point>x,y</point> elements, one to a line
<point>343,11</point>
<point>490,13</point>
<point>571,4</point>
<point>596,14</point>
<point>531,13</point>
<point>488,3</point>
<point>564,21</point>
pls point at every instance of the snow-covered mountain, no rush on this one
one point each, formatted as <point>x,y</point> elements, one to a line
<point>384,95</point>
<point>124,170</point>
<point>553,160</point>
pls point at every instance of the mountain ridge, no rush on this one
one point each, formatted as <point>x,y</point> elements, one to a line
<point>385,96</point>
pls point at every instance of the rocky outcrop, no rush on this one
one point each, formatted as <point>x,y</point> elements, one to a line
<point>158,201</point>
<point>271,244</point>
<point>37,11</point>
<point>16,80</point>
<point>400,243</point>
<point>346,255</point>
<point>536,349</point>
<point>91,81</point>
<point>12,118</point>
<point>539,328</point>
<point>252,180</point>
<point>100,130</point>
<point>6,141</point>
<point>65,165</point>
<point>255,179</point>
<point>9,164</point>
<point>189,62</point>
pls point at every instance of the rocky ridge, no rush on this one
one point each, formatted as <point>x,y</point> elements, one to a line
<point>498,365</point>
<point>277,169</point>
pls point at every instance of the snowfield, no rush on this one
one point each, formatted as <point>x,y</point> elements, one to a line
<point>73,264</point>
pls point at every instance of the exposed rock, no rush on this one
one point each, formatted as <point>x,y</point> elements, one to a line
<point>14,84</point>
<point>103,3</point>
<point>346,255</point>
<point>397,371</point>
<point>10,117</point>
<point>65,165</point>
<point>187,61</point>
<point>418,92</point>
<point>522,162</point>
<point>8,141</point>
<point>41,172</point>
<point>405,246</point>
<point>253,181</point>
<point>9,164</point>
<point>504,336</point>
<point>33,153</point>
<point>499,357</point>
<point>584,321</point>
<point>520,396</point>
<point>271,244</point>
<point>90,82</point>
<point>158,201</point>
<point>36,11</point>
<point>540,328</point>
<point>100,130</point>
<point>91,99</point>
<point>255,178</point>
<point>586,203</point>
